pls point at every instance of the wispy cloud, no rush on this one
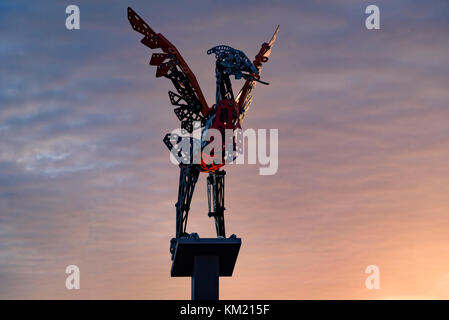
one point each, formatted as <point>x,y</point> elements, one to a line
<point>363,125</point>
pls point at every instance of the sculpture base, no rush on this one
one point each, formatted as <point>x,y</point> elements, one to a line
<point>205,260</point>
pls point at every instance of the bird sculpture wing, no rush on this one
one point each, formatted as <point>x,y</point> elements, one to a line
<point>189,102</point>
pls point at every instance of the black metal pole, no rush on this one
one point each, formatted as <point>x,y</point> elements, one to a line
<point>205,278</point>
<point>204,260</point>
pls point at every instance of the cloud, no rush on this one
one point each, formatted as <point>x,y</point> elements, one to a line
<point>362,116</point>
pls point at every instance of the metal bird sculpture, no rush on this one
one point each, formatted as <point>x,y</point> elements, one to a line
<point>191,108</point>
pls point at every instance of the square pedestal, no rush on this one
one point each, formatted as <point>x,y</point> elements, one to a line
<point>226,249</point>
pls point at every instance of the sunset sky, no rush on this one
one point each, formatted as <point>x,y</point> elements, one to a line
<point>363,179</point>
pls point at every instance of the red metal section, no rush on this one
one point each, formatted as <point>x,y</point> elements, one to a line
<point>155,40</point>
<point>260,58</point>
<point>227,117</point>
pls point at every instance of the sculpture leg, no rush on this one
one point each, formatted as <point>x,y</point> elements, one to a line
<point>215,197</point>
<point>188,176</point>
